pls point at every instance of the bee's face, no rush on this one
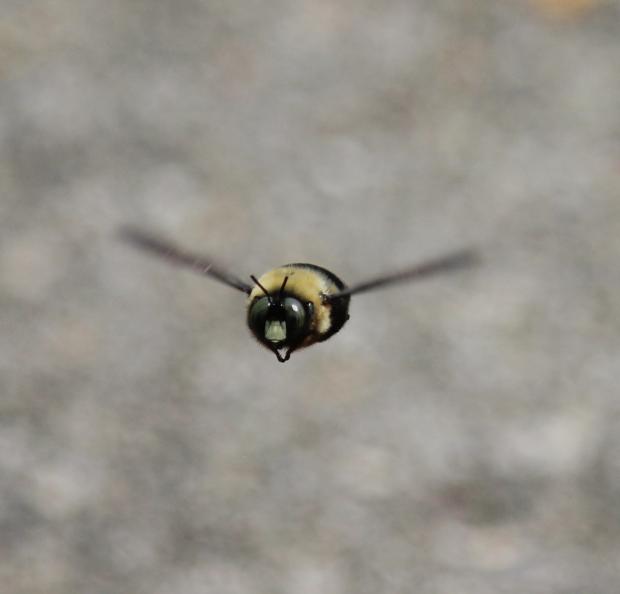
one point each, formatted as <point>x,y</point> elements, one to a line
<point>288,307</point>
<point>280,322</point>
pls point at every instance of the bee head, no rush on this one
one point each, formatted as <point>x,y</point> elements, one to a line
<point>280,321</point>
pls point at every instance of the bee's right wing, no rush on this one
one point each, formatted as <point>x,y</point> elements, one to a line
<point>155,245</point>
<point>452,261</point>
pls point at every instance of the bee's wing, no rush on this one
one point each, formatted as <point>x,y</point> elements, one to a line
<point>453,261</point>
<point>160,247</point>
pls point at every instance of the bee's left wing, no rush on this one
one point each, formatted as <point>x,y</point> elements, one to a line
<point>453,261</point>
<point>176,255</point>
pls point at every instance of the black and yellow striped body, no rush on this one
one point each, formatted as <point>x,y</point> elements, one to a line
<point>315,288</point>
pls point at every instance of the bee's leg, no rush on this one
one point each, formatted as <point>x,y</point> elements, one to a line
<point>286,357</point>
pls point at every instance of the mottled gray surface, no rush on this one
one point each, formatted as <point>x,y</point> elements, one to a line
<point>460,436</point>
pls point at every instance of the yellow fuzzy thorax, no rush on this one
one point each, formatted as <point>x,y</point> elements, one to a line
<point>304,283</point>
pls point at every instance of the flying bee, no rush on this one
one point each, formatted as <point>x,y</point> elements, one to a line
<point>295,305</point>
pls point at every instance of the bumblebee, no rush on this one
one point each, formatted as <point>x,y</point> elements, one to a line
<point>295,305</point>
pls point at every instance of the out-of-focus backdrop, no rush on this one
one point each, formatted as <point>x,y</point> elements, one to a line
<point>459,436</point>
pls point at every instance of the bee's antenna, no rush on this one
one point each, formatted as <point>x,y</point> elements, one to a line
<point>268,295</point>
<point>282,288</point>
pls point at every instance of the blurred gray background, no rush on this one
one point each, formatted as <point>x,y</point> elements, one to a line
<point>459,436</point>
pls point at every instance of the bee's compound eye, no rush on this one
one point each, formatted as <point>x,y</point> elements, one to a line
<point>258,314</point>
<point>295,315</point>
